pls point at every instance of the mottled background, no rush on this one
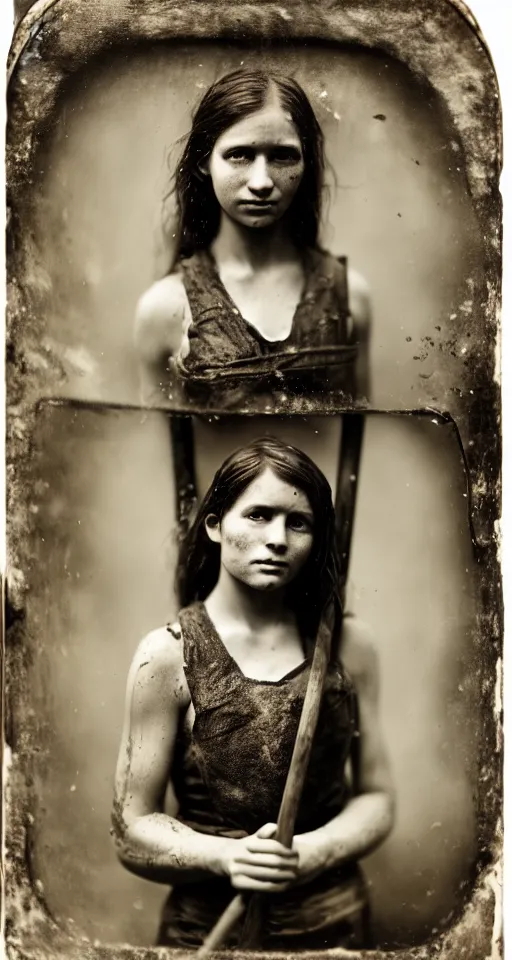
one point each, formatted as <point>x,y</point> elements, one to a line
<point>398,207</point>
<point>104,551</point>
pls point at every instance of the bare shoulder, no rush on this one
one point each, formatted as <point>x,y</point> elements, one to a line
<point>358,294</point>
<point>160,315</point>
<point>359,652</point>
<point>163,298</point>
<point>357,284</point>
<point>158,662</point>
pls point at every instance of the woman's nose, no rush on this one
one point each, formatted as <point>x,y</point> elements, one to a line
<point>277,538</point>
<point>260,180</point>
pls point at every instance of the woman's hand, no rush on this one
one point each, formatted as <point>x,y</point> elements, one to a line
<point>262,864</point>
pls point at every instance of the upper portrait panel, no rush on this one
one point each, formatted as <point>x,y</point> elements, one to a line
<point>255,226</point>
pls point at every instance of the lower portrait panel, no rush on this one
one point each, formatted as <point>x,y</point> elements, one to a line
<point>386,832</point>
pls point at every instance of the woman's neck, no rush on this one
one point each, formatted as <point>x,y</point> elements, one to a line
<point>232,600</point>
<point>252,247</point>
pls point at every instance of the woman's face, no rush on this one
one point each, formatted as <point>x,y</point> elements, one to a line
<point>267,535</point>
<point>256,167</point>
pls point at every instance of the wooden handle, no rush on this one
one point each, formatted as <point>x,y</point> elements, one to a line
<point>289,803</point>
<point>304,740</point>
<point>225,923</point>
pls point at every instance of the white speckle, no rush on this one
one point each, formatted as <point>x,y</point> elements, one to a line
<point>72,788</point>
<point>336,116</point>
<point>324,95</point>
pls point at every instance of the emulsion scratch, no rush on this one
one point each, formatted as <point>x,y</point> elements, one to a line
<point>495,882</point>
<point>498,701</point>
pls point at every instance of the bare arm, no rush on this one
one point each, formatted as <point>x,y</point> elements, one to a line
<point>149,842</point>
<point>162,318</point>
<point>368,817</point>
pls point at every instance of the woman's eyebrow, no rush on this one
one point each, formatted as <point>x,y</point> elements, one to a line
<point>272,508</point>
<point>252,144</point>
<point>303,513</point>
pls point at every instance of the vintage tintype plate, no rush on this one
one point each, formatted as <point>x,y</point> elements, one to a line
<point>105,548</point>
<point>115,431</point>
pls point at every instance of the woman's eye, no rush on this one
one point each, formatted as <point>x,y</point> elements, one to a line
<point>285,156</point>
<point>239,155</point>
<point>299,524</point>
<point>257,515</point>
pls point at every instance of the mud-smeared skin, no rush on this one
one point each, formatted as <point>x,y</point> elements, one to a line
<point>439,45</point>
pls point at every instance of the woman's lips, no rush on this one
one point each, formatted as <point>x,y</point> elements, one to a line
<point>272,564</point>
<point>258,204</point>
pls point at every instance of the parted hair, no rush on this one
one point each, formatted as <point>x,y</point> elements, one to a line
<point>229,100</point>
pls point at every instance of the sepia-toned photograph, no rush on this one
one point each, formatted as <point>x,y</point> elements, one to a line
<point>253,595</point>
<point>163,176</point>
<point>183,668</point>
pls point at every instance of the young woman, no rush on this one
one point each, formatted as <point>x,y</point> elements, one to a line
<point>212,709</point>
<point>251,295</point>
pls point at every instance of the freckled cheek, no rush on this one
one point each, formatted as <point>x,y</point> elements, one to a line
<point>226,182</point>
<point>289,183</point>
<point>295,174</point>
<point>238,539</point>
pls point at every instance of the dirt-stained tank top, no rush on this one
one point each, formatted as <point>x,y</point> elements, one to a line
<point>229,775</point>
<point>223,346</point>
<point>231,772</point>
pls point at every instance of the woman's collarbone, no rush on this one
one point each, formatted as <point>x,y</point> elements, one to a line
<point>268,305</point>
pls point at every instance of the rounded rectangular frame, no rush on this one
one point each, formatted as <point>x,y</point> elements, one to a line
<point>440,42</point>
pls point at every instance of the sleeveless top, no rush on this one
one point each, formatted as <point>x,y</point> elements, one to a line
<point>229,773</point>
<point>224,347</point>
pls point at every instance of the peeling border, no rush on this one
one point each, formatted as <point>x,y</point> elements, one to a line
<point>440,42</point>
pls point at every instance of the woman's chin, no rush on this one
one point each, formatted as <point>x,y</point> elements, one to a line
<point>252,221</point>
<point>268,583</point>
